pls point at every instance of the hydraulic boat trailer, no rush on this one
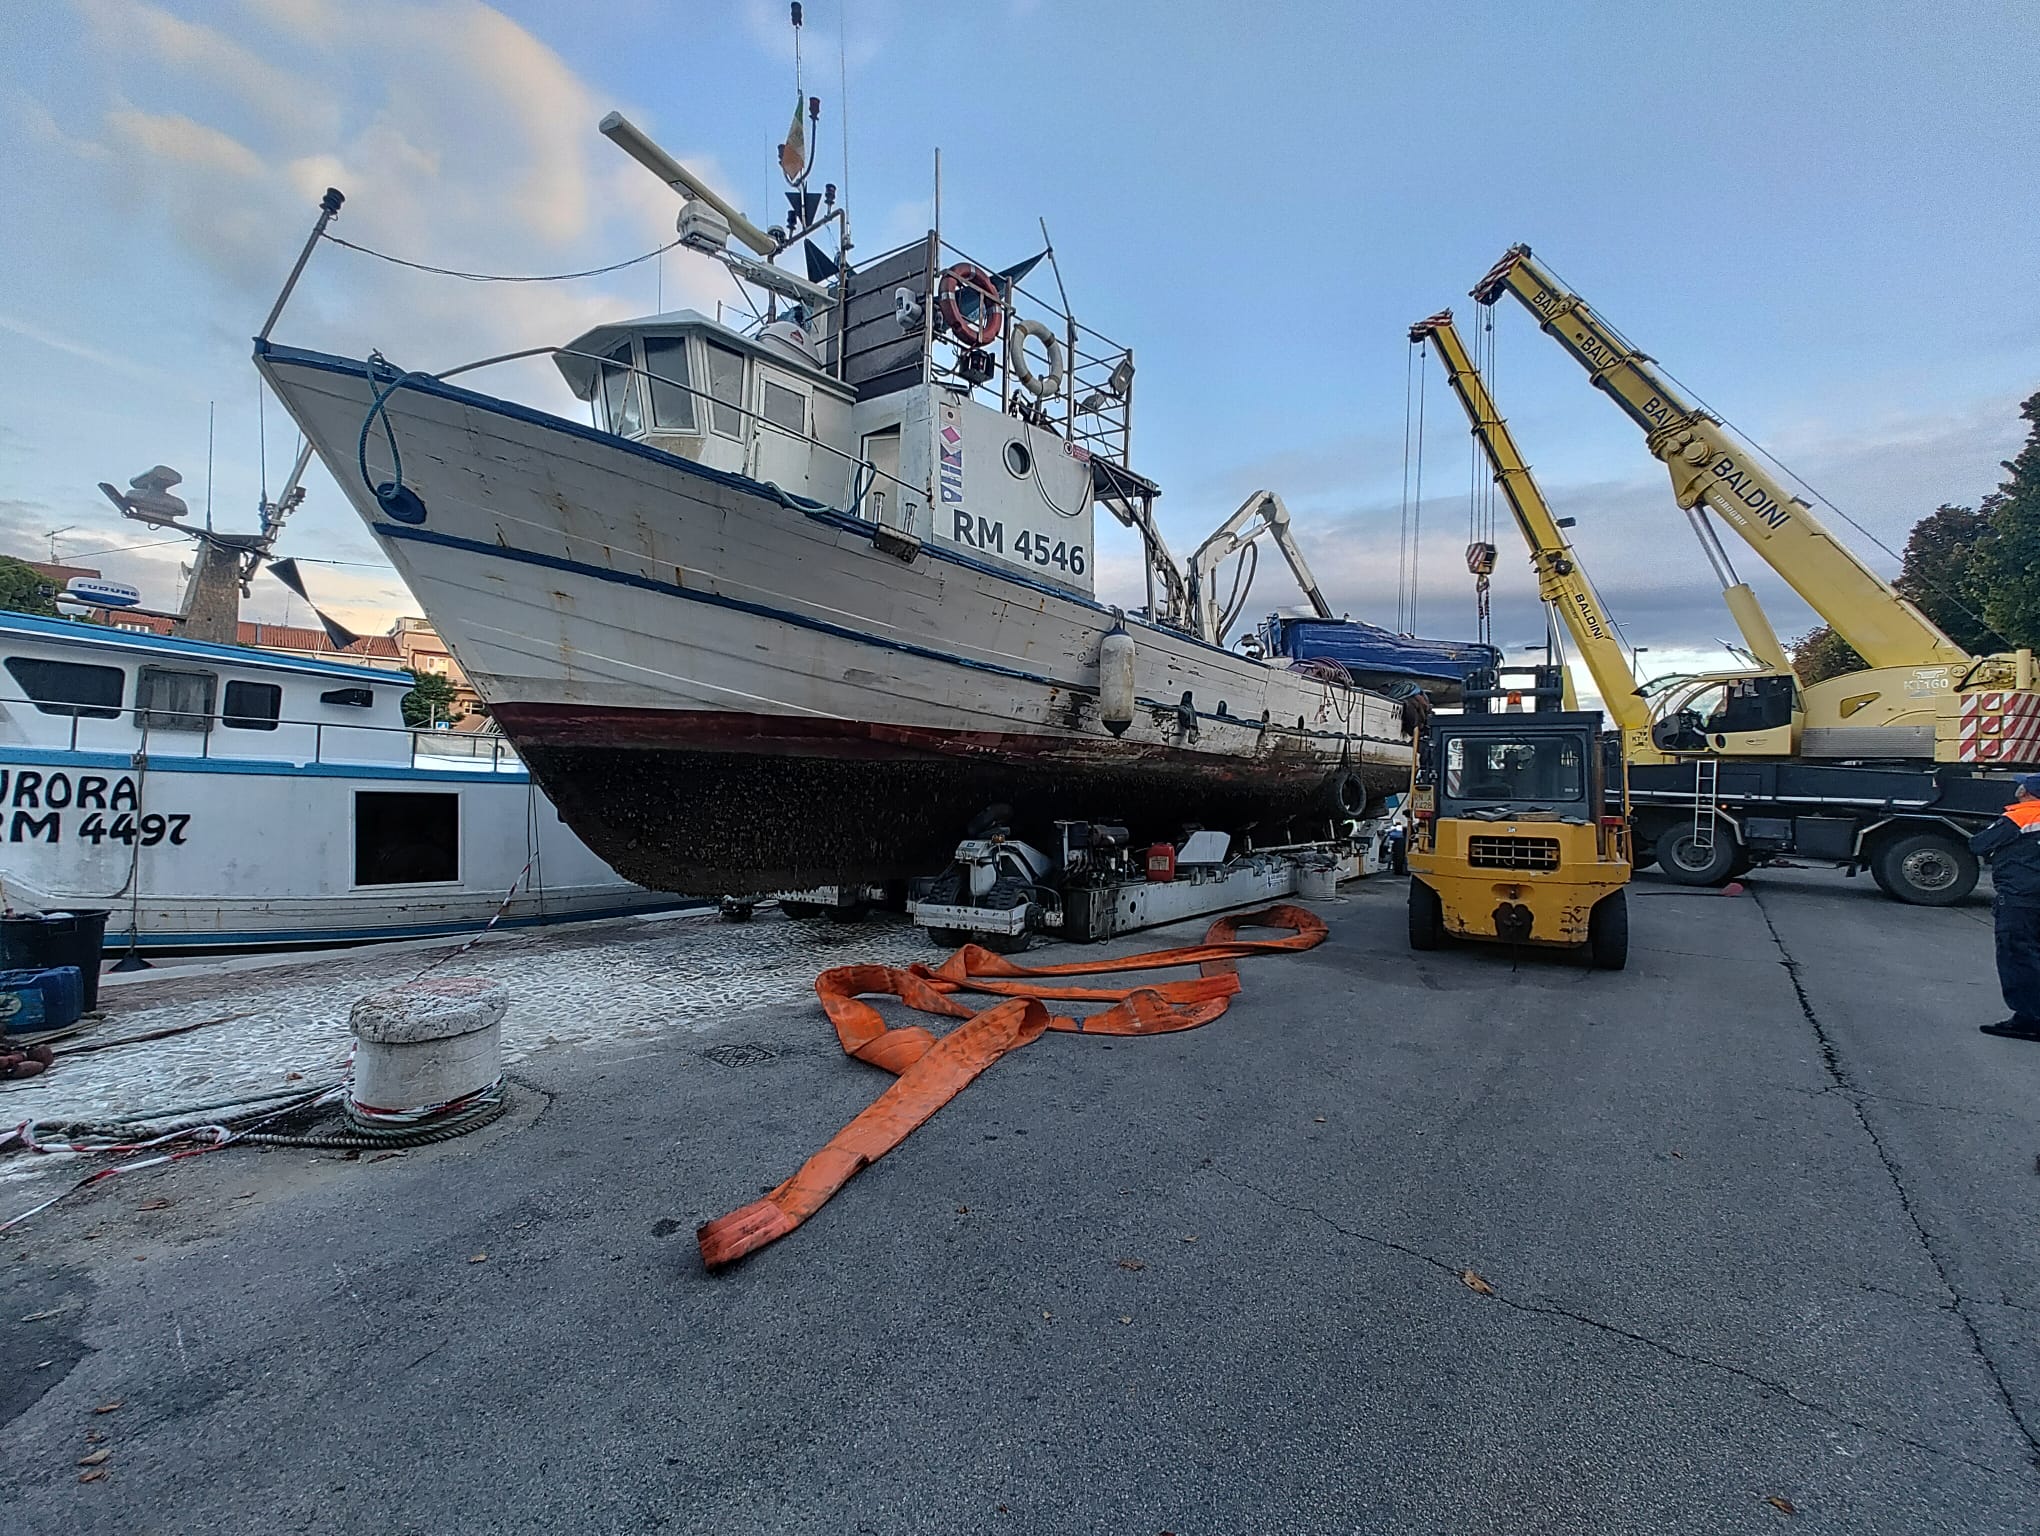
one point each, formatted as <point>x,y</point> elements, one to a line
<point>1001,890</point>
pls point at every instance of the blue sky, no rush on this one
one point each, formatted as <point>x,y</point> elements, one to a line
<point>1823,217</point>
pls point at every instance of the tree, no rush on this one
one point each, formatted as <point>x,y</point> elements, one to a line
<point>1941,576</point>
<point>23,589</point>
<point>2008,567</point>
<point>430,699</point>
<point>1820,654</point>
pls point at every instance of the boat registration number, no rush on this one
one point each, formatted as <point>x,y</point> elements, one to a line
<point>100,809</point>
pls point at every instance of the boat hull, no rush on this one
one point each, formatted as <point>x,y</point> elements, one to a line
<point>725,692</point>
<point>847,801</point>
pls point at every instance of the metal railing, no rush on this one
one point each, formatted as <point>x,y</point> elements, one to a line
<point>147,727</point>
<point>1087,393</point>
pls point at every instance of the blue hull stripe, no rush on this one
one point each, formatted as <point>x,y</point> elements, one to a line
<point>117,943</point>
<point>106,637</point>
<point>122,762</point>
<point>715,600</point>
<point>325,363</point>
<point>823,626</point>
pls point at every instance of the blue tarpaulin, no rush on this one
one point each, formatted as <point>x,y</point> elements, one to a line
<point>1375,656</point>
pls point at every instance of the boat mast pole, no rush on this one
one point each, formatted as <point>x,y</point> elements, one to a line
<point>329,208</point>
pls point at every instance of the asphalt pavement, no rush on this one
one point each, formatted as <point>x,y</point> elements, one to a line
<point>1755,1226</point>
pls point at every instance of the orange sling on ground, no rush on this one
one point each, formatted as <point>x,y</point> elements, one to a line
<point>932,1070</point>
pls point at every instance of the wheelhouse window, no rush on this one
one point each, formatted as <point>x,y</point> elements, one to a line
<point>726,390</point>
<point>172,699</point>
<point>69,687</point>
<point>1508,771</point>
<point>252,706</point>
<point>620,393</point>
<point>786,408</point>
<point>672,398</point>
<point>405,838</point>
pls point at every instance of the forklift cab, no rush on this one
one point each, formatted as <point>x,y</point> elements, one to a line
<point>1520,828</point>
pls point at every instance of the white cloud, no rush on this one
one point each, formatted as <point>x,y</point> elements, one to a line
<point>143,372</point>
<point>176,138</point>
<point>459,139</point>
<point>37,119</point>
<point>214,62</point>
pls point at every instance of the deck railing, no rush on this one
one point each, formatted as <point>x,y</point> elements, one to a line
<point>329,739</point>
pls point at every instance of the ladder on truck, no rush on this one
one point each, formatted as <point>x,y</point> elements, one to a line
<point>1706,801</point>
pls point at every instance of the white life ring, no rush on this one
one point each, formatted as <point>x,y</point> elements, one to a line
<point>1016,358</point>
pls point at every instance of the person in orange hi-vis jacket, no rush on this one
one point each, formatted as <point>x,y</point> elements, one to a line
<point>2012,844</point>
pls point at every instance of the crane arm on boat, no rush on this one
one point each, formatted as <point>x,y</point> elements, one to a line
<point>1262,512</point>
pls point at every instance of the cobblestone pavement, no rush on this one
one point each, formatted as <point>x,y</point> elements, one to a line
<point>574,984</point>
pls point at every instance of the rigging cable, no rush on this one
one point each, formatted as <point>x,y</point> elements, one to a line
<point>1402,548</point>
<point>1417,506</point>
<point>1785,469</point>
<point>498,277</point>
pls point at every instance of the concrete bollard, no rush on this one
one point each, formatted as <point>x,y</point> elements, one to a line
<point>427,1042</point>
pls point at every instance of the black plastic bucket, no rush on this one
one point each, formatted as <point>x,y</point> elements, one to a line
<point>56,938</point>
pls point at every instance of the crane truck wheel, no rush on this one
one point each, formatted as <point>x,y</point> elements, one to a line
<point>1427,916</point>
<point>1683,860</point>
<point>1608,933</point>
<point>1928,868</point>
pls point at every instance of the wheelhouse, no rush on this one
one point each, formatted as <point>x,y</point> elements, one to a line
<point>758,406</point>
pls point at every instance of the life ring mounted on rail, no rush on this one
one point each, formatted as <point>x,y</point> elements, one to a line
<point>966,279</point>
<point>1048,385</point>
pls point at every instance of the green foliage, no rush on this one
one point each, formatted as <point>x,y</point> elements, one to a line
<point>25,590</point>
<point>1820,654</point>
<point>430,699</point>
<point>1941,575</point>
<point>2007,567</point>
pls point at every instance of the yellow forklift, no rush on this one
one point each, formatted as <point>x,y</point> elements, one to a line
<point>1519,815</point>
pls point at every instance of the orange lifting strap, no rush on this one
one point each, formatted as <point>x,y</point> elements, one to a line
<point>933,1071</point>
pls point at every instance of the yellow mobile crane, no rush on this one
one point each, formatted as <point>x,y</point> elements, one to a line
<point>1758,713</point>
<point>1707,801</point>
<point>1921,696</point>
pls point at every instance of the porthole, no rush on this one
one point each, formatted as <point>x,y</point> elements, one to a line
<point>1019,460</point>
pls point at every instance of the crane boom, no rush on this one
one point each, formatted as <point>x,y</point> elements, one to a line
<point>1560,580</point>
<point>1710,467</point>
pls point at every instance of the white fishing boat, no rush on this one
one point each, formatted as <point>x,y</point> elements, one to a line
<point>797,603</point>
<point>218,796</point>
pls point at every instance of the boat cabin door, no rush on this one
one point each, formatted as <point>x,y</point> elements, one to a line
<point>782,449</point>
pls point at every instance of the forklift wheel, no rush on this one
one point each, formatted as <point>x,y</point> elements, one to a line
<point>1427,916</point>
<point>1608,933</point>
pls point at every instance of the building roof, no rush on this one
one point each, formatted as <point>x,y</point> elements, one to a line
<point>103,636</point>
<point>268,637</point>
<point>50,571</point>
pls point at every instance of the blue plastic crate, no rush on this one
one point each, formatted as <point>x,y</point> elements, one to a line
<point>31,1001</point>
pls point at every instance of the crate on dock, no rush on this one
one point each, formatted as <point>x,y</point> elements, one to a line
<point>31,1001</point>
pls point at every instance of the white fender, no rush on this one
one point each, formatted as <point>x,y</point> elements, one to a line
<point>1016,358</point>
<point>1115,681</point>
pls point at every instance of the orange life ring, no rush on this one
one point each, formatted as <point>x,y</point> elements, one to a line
<point>983,331</point>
